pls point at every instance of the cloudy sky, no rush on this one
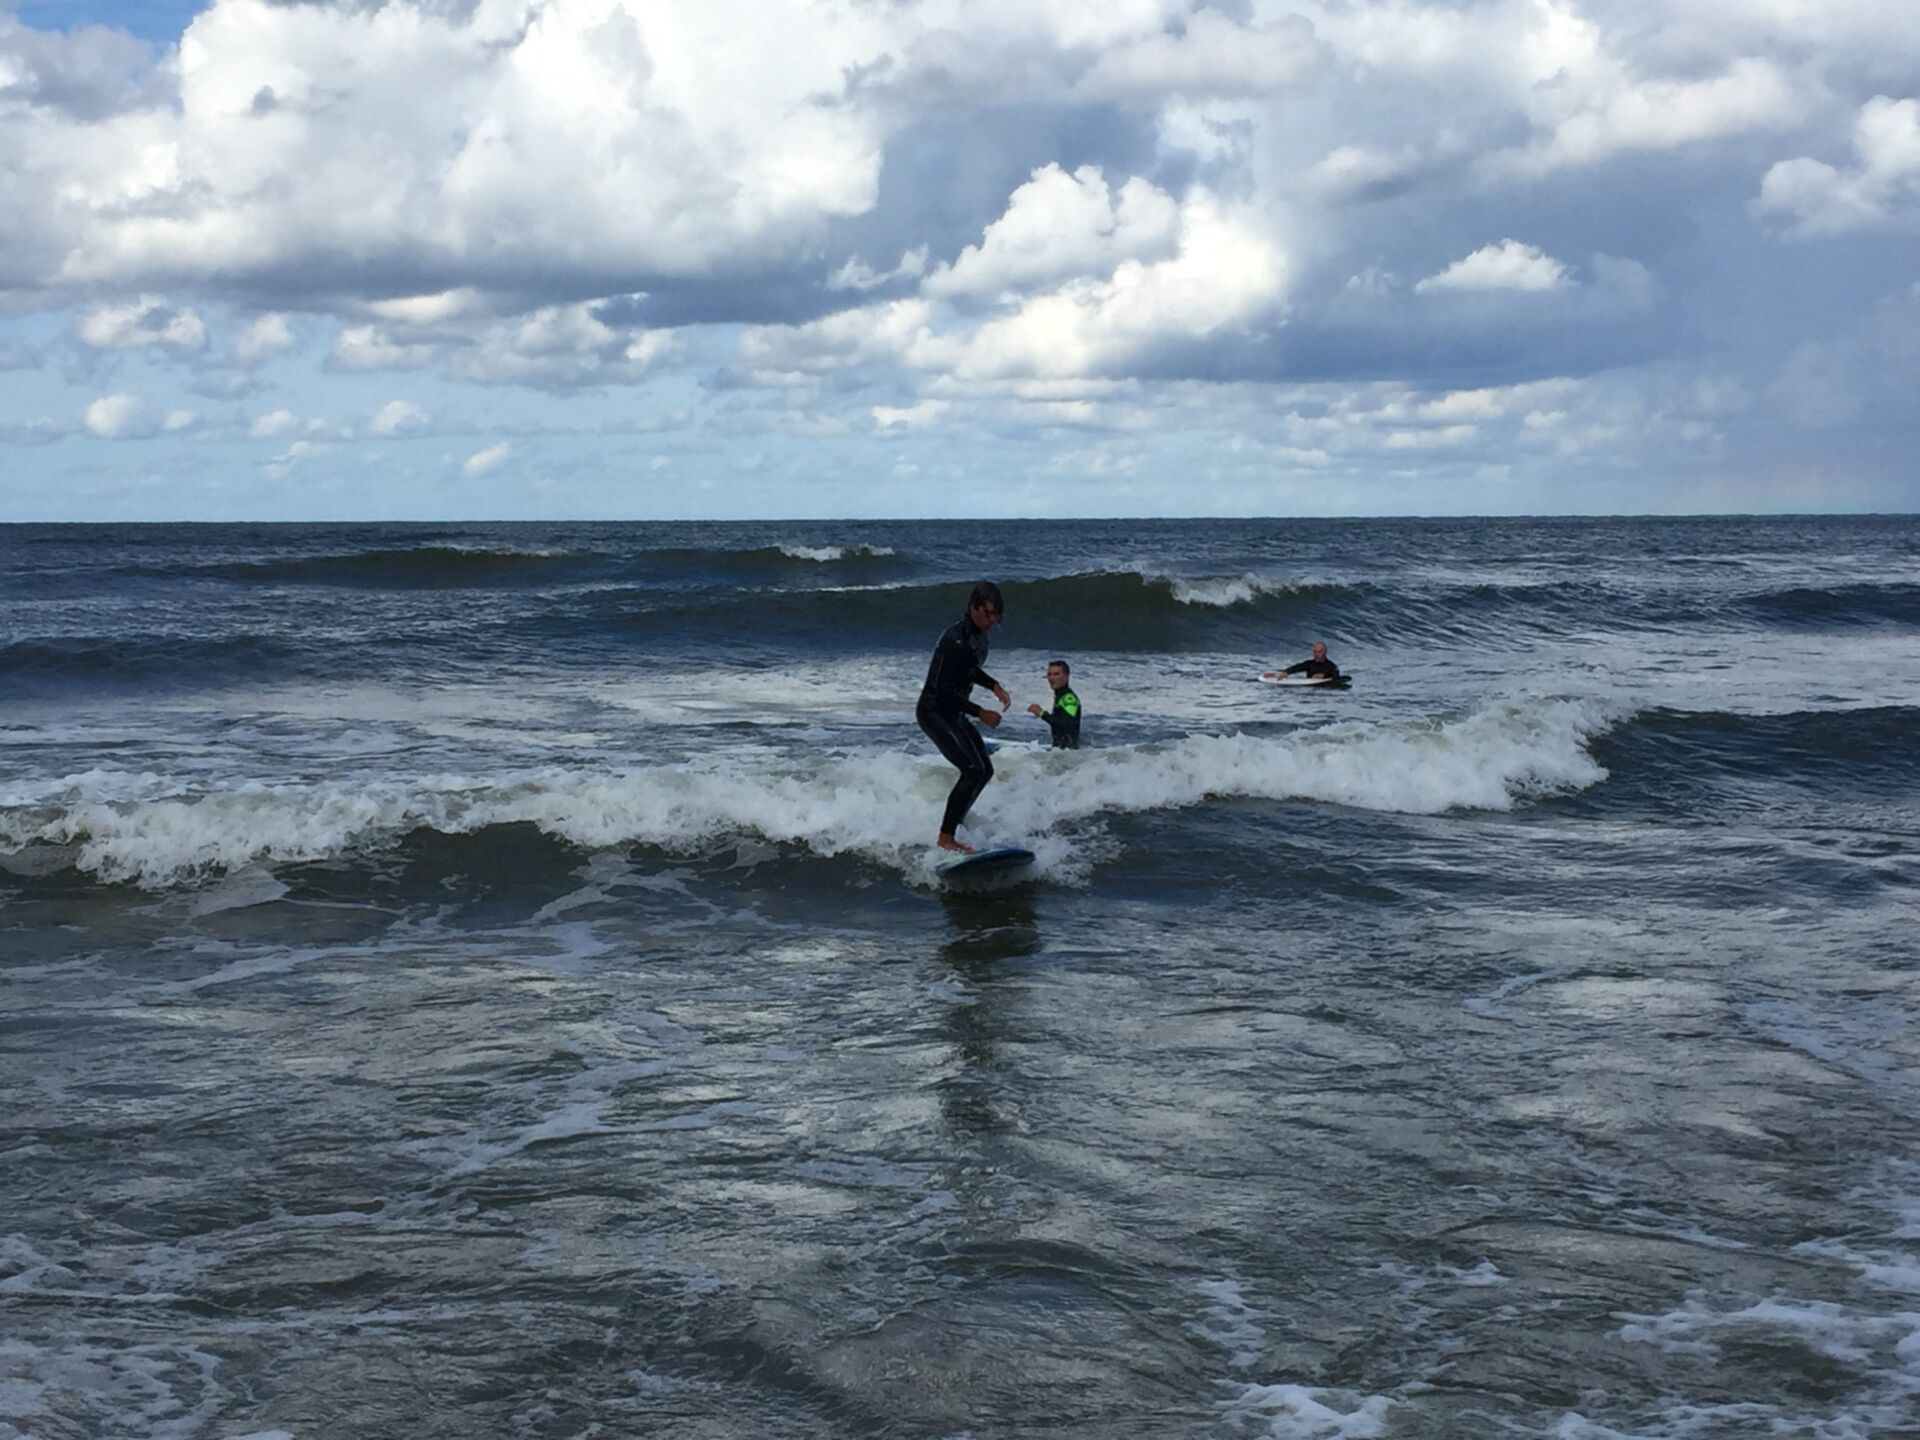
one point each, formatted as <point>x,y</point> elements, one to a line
<point>639,258</point>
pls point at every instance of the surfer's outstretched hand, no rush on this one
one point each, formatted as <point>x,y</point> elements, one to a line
<point>1035,710</point>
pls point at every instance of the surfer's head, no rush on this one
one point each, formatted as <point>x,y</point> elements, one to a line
<point>1319,649</point>
<point>984,605</point>
<point>1058,673</point>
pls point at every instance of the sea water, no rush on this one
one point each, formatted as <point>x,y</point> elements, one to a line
<point>492,980</point>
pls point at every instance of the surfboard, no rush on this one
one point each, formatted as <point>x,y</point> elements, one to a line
<point>996,859</point>
<point>1320,682</point>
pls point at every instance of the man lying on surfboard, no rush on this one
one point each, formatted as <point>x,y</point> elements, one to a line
<point>1317,668</point>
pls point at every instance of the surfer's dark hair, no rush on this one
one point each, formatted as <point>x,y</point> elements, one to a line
<point>1062,664</point>
<point>986,593</point>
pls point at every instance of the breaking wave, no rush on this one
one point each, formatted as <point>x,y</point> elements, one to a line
<point>877,805</point>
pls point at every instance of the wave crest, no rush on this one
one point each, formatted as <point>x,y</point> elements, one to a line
<point>878,805</point>
<point>827,554</point>
<point>1224,590</point>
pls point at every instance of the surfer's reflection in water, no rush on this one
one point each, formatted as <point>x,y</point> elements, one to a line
<point>994,932</point>
<point>946,700</point>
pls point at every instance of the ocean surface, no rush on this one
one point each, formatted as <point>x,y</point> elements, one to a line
<point>490,980</point>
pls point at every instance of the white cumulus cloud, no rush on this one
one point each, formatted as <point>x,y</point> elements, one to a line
<point>1225,274</point>
<point>1357,171</point>
<point>1881,188</point>
<point>907,417</point>
<point>1058,226</point>
<point>148,321</point>
<point>632,136</point>
<point>559,346</point>
<point>291,458</point>
<point>275,424</point>
<point>1510,265</point>
<point>1633,114</point>
<point>399,417</point>
<point>117,417</point>
<point>368,347</point>
<point>873,333</point>
<point>267,336</point>
<point>491,458</point>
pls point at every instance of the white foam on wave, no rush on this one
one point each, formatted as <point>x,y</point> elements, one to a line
<point>1225,590</point>
<point>880,805</point>
<point>512,552</point>
<point>1872,1336</point>
<point>98,785</point>
<point>155,1389</point>
<point>1232,1321</point>
<point>826,553</point>
<point>1305,1412</point>
<point>1889,1261</point>
<point>1284,1410</point>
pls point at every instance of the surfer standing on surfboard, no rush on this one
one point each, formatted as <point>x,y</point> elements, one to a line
<point>946,700</point>
<point>1318,668</point>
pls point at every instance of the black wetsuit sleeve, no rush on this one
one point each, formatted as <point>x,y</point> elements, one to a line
<point>1296,669</point>
<point>980,676</point>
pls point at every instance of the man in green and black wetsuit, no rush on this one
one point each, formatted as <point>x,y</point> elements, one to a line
<point>1064,718</point>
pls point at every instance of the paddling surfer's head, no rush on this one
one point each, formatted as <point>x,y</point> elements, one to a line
<point>1319,649</point>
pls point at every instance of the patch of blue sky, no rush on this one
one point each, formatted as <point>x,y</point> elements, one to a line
<point>161,22</point>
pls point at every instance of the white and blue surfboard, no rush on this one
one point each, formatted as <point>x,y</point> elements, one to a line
<point>993,860</point>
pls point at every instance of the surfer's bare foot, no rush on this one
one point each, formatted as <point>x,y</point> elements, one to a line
<point>947,842</point>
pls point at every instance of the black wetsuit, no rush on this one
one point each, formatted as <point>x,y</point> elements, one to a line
<point>1064,720</point>
<point>1314,670</point>
<point>946,700</point>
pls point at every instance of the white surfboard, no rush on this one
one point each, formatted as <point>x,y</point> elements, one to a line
<point>1323,682</point>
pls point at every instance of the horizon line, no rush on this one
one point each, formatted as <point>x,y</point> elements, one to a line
<point>1015,519</point>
